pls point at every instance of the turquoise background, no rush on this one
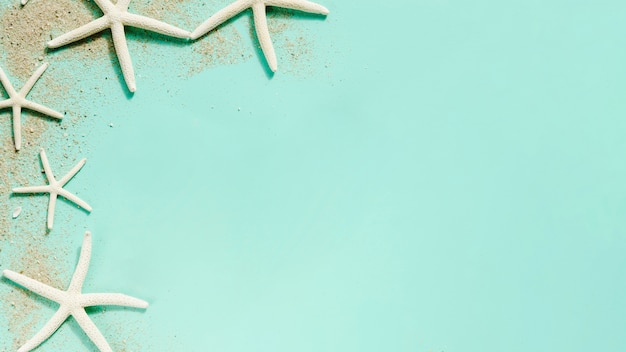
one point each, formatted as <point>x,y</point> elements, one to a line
<point>432,176</point>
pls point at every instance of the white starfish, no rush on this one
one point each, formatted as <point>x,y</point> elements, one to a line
<point>115,17</point>
<point>73,302</point>
<point>55,188</point>
<point>260,21</point>
<point>18,101</point>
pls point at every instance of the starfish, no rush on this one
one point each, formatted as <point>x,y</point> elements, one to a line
<point>73,302</point>
<point>116,17</point>
<point>260,21</point>
<point>18,101</point>
<point>55,188</point>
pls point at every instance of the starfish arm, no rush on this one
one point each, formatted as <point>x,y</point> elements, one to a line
<point>91,330</point>
<point>263,34</point>
<point>112,299</point>
<point>300,5</point>
<point>42,109</point>
<point>7,84</point>
<point>79,33</point>
<point>32,189</point>
<point>104,5</point>
<point>46,166</point>
<point>133,20</point>
<point>123,55</point>
<point>72,172</point>
<point>17,126</point>
<point>33,79</point>
<point>83,265</point>
<point>220,17</point>
<point>6,103</point>
<point>46,331</point>
<point>74,199</point>
<point>35,286</point>
<point>51,207</point>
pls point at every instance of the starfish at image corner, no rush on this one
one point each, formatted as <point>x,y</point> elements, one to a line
<point>116,17</point>
<point>55,188</point>
<point>260,21</point>
<point>73,302</point>
<point>18,100</point>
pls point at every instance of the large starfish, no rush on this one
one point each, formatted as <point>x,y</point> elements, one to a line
<point>73,302</point>
<point>55,188</point>
<point>18,101</point>
<point>260,21</point>
<point>115,17</point>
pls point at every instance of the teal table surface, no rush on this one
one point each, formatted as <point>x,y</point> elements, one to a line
<point>423,176</point>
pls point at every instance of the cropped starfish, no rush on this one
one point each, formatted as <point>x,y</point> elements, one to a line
<point>55,188</point>
<point>260,21</point>
<point>115,17</point>
<point>18,101</point>
<point>73,302</point>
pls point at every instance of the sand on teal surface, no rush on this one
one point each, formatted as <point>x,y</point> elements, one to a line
<point>419,176</point>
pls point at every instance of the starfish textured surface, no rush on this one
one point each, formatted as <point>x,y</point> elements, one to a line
<point>73,302</point>
<point>18,101</point>
<point>115,17</point>
<point>260,21</point>
<point>55,188</point>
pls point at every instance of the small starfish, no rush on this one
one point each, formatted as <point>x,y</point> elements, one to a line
<point>73,302</point>
<point>18,101</point>
<point>55,188</point>
<point>260,21</point>
<point>115,17</point>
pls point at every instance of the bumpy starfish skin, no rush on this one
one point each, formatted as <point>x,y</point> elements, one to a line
<point>260,21</point>
<point>18,100</point>
<point>115,17</point>
<point>55,188</point>
<point>73,302</point>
